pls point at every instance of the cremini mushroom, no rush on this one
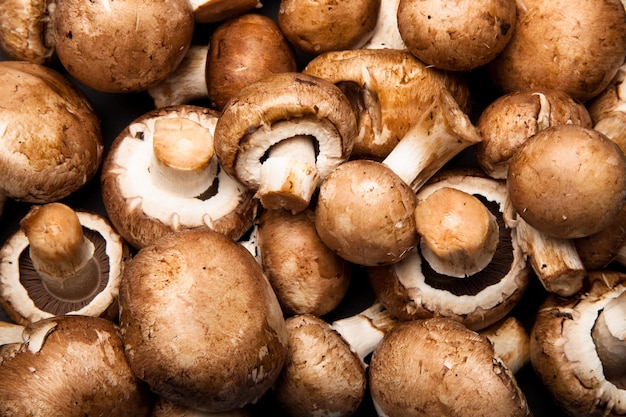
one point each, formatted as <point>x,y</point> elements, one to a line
<point>435,367</point>
<point>456,36</point>
<point>122,46</point>
<point>26,30</point>
<point>69,366</point>
<point>511,342</point>
<point>608,109</point>
<point>215,11</point>
<point>61,261</point>
<point>578,347</point>
<point>160,175</point>
<point>200,322</point>
<point>468,265</point>
<point>282,135</point>
<point>50,136</point>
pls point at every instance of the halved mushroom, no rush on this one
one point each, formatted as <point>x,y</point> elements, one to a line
<point>283,134</point>
<point>468,265</point>
<point>160,176</point>
<point>69,366</point>
<point>25,30</point>
<point>50,137</point>
<point>578,347</point>
<point>61,262</point>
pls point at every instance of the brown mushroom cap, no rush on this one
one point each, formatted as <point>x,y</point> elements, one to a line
<point>25,33</point>
<point>122,46</point>
<point>457,36</point>
<point>165,408</point>
<point>213,11</point>
<point>51,140</point>
<point>200,321</point>
<point>70,366</point>
<point>321,26</point>
<point>243,50</point>
<point>438,367</point>
<point>572,46</point>
<point>568,181</point>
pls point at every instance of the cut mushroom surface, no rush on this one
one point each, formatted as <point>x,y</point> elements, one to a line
<point>161,176</point>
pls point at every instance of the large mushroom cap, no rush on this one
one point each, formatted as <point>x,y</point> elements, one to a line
<point>50,138</point>
<point>200,321</point>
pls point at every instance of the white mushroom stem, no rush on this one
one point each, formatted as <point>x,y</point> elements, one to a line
<point>443,131</point>
<point>364,331</point>
<point>459,235</point>
<point>614,127</point>
<point>10,333</point>
<point>555,261</point>
<point>386,33</point>
<point>187,83</point>
<point>609,336</point>
<point>182,162</point>
<point>60,252</point>
<point>511,342</point>
<point>289,176</point>
<point>621,256</point>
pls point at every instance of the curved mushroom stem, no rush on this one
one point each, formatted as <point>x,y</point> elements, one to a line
<point>363,331</point>
<point>11,333</point>
<point>442,132</point>
<point>60,253</point>
<point>289,176</point>
<point>186,83</point>
<point>609,336</point>
<point>183,160</point>
<point>386,34</point>
<point>459,235</point>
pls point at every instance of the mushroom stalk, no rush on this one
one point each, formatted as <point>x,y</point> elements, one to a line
<point>609,336</point>
<point>10,333</point>
<point>386,34</point>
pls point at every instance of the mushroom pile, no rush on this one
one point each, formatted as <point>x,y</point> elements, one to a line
<point>292,208</point>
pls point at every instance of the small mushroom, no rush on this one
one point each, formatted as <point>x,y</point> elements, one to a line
<point>214,11</point>
<point>122,46</point>
<point>160,176</point>
<point>200,322</point>
<point>60,262</point>
<point>283,134</point>
<point>608,109</point>
<point>468,265</point>
<point>599,249</point>
<point>437,367</point>
<point>568,181</point>
<point>26,30</point>
<point>578,347</point>
<point>456,36</point>
<point>69,366</point>
<point>50,138</point>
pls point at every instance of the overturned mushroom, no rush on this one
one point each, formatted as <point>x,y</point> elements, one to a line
<point>468,265</point>
<point>160,176</point>
<point>60,262</point>
<point>281,135</point>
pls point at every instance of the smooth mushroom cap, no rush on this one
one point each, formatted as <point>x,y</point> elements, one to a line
<point>322,26</point>
<point>70,366</point>
<point>25,30</point>
<point>200,322</point>
<point>243,50</point>
<point>457,36</point>
<point>437,367</point>
<point>50,138</point>
<point>598,250</point>
<point>568,181</point>
<point>213,11</point>
<point>123,46</point>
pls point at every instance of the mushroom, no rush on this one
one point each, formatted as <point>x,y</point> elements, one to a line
<point>214,11</point>
<point>510,119</point>
<point>322,26</point>
<point>568,181</point>
<point>578,347</point>
<point>160,176</point>
<point>365,209</point>
<point>608,109</point>
<point>572,46</point>
<point>456,36</point>
<point>387,88</point>
<point>283,134</point>
<point>69,366</point>
<point>50,137</point>
<point>200,322</point>
<point>124,46</point>
<point>468,265</point>
<point>306,275</point>
<point>437,366</point>
<point>165,408</point>
<point>325,370</point>
<point>511,342</point>
<point>599,249</point>
<point>60,262</point>
<point>25,30</point>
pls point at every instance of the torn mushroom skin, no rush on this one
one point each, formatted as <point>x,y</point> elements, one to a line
<point>578,347</point>
<point>61,262</point>
<point>26,30</point>
<point>283,143</point>
<point>161,176</point>
<point>69,366</point>
<point>455,271</point>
